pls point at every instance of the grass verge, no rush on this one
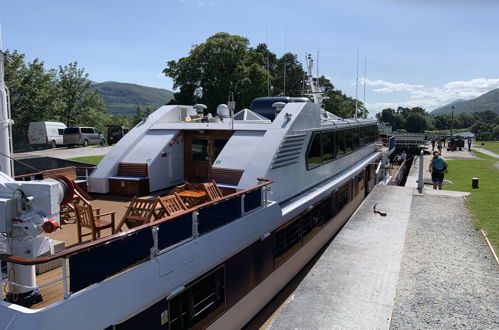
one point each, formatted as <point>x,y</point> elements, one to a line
<point>484,201</point>
<point>88,159</point>
<point>489,145</point>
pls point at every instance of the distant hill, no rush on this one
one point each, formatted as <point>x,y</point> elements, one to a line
<point>485,102</point>
<point>123,98</point>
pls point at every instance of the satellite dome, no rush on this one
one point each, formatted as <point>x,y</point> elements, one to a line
<point>223,111</point>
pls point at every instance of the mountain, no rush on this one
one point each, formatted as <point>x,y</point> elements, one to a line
<point>123,98</point>
<point>450,104</point>
<point>485,102</point>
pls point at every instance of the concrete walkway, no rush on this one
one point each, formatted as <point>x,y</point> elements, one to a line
<point>487,152</point>
<point>353,284</point>
<point>65,153</point>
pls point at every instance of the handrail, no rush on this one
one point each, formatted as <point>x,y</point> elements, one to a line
<point>104,240</point>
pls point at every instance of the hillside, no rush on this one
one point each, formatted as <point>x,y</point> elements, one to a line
<point>123,98</point>
<point>485,102</point>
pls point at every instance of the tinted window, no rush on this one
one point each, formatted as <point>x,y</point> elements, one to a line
<point>355,138</point>
<point>348,141</point>
<point>60,131</point>
<point>199,149</point>
<point>200,303</point>
<point>328,145</point>
<point>340,144</point>
<point>314,157</point>
<point>87,130</point>
<point>287,240</point>
<point>71,130</point>
<point>363,135</point>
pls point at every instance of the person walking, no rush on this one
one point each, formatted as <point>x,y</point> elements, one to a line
<point>469,144</point>
<point>433,144</point>
<point>403,156</point>
<point>437,168</point>
<point>439,147</point>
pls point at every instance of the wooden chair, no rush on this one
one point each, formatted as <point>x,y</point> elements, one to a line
<point>170,204</point>
<point>68,213</point>
<point>139,212</point>
<point>212,191</point>
<point>86,218</point>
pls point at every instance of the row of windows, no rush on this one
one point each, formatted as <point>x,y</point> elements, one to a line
<point>326,146</point>
<point>289,238</point>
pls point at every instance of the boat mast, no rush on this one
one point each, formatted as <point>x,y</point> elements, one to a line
<point>5,121</point>
<point>357,86</point>
<point>313,87</point>
<point>365,77</point>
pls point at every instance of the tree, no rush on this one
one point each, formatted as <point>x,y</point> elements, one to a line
<point>289,77</point>
<point>82,105</point>
<point>33,94</point>
<point>415,122</point>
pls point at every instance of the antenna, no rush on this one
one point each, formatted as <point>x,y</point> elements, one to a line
<point>268,61</point>
<point>317,64</point>
<point>357,85</point>
<point>365,74</point>
<point>285,39</point>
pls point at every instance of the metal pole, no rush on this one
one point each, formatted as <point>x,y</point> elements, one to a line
<point>452,121</point>
<point>65,278</point>
<point>421,169</point>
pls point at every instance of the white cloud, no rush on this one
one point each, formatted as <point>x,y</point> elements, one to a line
<point>430,97</point>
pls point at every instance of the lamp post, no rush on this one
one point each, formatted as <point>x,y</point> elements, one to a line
<point>452,121</point>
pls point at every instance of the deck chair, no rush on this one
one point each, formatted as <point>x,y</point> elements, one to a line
<point>139,212</point>
<point>212,191</point>
<point>68,213</point>
<point>86,218</point>
<point>170,204</point>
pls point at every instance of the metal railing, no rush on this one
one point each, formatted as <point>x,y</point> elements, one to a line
<point>110,255</point>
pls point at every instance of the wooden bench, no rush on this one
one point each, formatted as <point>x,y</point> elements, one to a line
<point>226,179</point>
<point>132,180</point>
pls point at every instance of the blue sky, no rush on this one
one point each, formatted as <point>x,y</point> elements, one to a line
<point>419,52</point>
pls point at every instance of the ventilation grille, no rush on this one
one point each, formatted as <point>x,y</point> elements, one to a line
<point>289,151</point>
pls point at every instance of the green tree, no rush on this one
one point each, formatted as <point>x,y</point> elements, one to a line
<point>415,122</point>
<point>82,105</point>
<point>33,95</point>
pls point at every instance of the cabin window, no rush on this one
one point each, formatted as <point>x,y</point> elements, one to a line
<point>341,197</point>
<point>340,144</point>
<point>363,135</point>
<point>348,141</point>
<point>199,304</point>
<point>314,156</point>
<point>287,240</point>
<point>311,222</point>
<point>199,149</point>
<point>327,146</point>
<point>355,138</point>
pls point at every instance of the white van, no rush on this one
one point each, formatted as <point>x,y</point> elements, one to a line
<point>46,133</point>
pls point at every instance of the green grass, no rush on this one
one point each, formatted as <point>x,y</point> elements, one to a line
<point>483,202</point>
<point>489,145</point>
<point>88,159</point>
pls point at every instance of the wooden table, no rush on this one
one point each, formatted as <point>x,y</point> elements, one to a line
<point>192,198</point>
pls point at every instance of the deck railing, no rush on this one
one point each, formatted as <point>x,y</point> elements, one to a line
<point>92,262</point>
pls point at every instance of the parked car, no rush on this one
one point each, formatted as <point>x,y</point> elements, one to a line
<point>115,133</point>
<point>82,136</point>
<point>46,133</point>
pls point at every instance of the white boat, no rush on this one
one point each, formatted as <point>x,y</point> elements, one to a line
<point>291,175</point>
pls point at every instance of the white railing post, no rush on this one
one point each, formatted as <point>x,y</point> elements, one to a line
<point>65,277</point>
<point>195,232</point>
<point>242,204</point>
<point>154,249</point>
<point>421,170</point>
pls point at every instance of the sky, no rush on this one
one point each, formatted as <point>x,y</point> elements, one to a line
<point>418,52</point>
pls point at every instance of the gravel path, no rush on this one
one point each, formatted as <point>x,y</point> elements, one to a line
<point>448,278</point>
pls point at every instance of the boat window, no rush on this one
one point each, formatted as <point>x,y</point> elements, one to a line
<point>355,138</point>
<point>314,156</point>
<point>327,146</point>
<point>199,304</point>
<point>340,144</point>
<point>341,198</point>
<point>199,149</point>
<point>287,240</point>
<point>311,223</point>
<point>363,135</point>
<point>348,141</point>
